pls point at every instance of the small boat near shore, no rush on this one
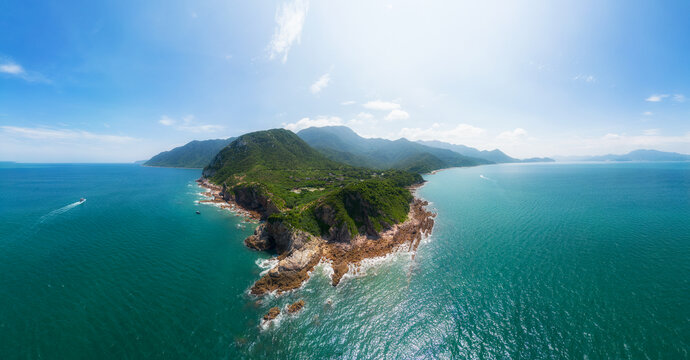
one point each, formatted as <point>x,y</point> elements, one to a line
<point>198,212</point>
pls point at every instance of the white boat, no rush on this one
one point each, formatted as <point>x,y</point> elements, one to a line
<point>82,200</point>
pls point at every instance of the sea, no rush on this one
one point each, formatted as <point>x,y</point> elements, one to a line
<point>526,261</point>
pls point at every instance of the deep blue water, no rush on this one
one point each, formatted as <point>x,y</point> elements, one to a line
<point>526,261</point>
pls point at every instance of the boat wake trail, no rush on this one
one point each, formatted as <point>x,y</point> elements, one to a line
<point>487,178</point>
<point>31,230</point>
<point>58,211</point>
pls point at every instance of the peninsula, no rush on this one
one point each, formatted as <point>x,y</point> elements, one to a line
<point>313,208</point>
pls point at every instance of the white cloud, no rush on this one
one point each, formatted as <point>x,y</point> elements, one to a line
<point>647,113</point>
<point>656,97</point>
<point>679,98</point>
<point>585,78</point>
<point>61,134</point>
<point>349,102</point>
<point>513,135</point>
<point>320,84</point>
<point>166,121</point>
<point>382,105</point>
<point>397,114</point>
<point>11,68</point>
<point>290,18</point>
<point>362,118</point>
<point>650,138</point>
<point>319,121</point>
<point>188,124</point>
<point>438,132</point>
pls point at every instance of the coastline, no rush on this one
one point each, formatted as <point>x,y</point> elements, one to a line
<point>214,192</point>
<point>296,262</point>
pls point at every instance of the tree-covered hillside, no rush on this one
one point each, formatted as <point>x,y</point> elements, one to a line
<point>279,175</point>
<point>195,154</point>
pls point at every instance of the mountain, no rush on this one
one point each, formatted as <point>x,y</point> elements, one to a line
<point>314,207</point>
<point>342,144</point>
<point>195,154</point>
<point>496,155</point>
<point>275,149</point>
<point>640,155</point>
<point>278,175</point>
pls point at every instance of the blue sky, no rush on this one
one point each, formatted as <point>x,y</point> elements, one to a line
<point>124,80</point>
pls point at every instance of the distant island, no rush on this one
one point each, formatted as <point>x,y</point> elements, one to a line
<point>496,156</point>
<point>636,155</point>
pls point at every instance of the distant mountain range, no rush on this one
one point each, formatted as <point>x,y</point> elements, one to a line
<point>496,156</point>
<point>637,155</point>
<point>341,144</point>
<point>195,154</point>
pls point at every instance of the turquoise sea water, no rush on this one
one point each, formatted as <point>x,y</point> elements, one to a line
<point>526,261</point>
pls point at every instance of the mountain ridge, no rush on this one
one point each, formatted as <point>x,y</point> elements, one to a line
<point>342,144</point>
<point>194,154</point>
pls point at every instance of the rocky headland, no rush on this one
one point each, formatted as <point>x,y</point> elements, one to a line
<point>299,251</point>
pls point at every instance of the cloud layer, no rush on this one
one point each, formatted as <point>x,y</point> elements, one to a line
<point>189,124</point>
<point>290,17</point>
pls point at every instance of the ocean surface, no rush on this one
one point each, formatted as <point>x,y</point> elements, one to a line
<point>531,261</point>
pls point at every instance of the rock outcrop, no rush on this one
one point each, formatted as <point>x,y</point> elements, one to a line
<point>252,197</point>
<point>272,314</point>
<point>406,235</point>
<point>292,270</point>
<point>295,307</point>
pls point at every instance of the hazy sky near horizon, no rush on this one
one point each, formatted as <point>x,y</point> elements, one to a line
<point>85,81</point>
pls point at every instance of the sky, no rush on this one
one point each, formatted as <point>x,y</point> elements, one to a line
<point>119,81</point>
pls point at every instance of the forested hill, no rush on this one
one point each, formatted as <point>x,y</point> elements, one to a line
<point>195,154</point>
<point>278,175</point>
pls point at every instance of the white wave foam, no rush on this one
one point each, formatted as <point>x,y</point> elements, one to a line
<point>355,271</point>
<point>265,325</point>
<point>326,268</point>
<point>266,265</point>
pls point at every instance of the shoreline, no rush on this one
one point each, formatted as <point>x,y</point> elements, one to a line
<point>294,266</point>
<point>216,198</point>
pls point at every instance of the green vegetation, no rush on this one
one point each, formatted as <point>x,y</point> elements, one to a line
<point>195,154</point>
<point>307,188</point>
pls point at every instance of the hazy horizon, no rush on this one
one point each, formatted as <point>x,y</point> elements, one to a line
<point>122,82</point>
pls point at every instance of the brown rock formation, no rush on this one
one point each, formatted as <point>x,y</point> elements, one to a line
<point>252,198</point>
<point>419,223</point>
<point>272,314</point>
<point>295,307</point>
<point>292,270</point>
<point>299,252</point>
